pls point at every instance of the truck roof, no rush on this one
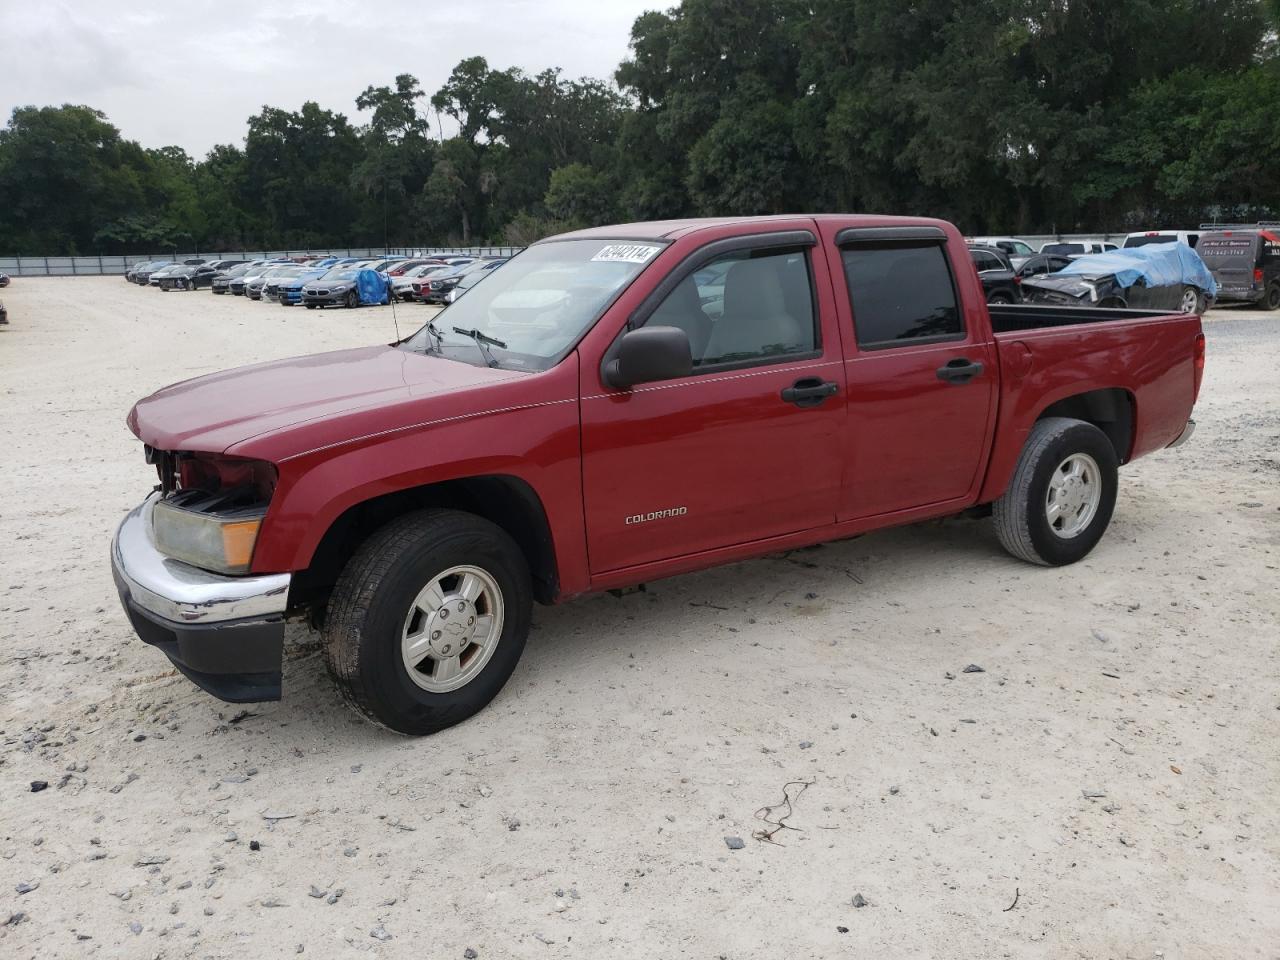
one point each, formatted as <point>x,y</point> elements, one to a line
<point>671,229</point>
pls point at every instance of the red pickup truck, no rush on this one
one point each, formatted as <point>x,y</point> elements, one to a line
<point>612,406</point>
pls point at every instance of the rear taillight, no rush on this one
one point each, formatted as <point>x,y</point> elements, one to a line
<point>1257,275</point>
<point>1199,366</point>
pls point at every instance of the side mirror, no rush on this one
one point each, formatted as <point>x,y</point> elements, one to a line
<point>649,354</point>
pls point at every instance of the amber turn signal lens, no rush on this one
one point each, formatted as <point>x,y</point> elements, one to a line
<point>238,539</point>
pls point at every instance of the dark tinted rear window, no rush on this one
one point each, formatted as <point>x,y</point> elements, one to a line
<point>900,294</point>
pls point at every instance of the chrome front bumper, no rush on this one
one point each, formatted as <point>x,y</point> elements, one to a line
<point>226,634</point>
<point>1185,435</point>
<point>182,593</point>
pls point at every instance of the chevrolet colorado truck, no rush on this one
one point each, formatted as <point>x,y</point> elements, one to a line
<point>612,406</point>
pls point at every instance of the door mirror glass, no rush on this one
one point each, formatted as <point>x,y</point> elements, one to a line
<point>650,354</point>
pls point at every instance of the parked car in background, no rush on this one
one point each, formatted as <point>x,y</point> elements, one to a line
<point>1145,238</point>
<point>1015,250</point>
<point>239,284</point>
<point>254,288</point>
<point>999,282</point>
<point>1168,276</point>
<point>350,286</point>
<point>287,289</point>
<point>405,286</point>
<point>434,288</point>
<point>382,264</point>
<point>465,284</point>
<point>221,280</point>
<point>274,278</point>
<point>1076,248</point>
<point>401,268</point>
<point>4,279</point>
<point>1245,263</point>
<point>1041,264</point>
<point>143,273</point>
<point>168,269</point>
<point>580,424</point>
<point>189,277</point>
<point>175,277</point>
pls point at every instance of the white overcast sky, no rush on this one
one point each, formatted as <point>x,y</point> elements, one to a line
<point>191,73</point>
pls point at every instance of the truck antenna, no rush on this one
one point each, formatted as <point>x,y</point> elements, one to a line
<point>386,240</point>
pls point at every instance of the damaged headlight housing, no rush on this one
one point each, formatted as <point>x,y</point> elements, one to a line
<point>222,543</point>
<point>212,520</point>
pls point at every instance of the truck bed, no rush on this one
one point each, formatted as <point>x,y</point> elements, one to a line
<point>1020,317</point>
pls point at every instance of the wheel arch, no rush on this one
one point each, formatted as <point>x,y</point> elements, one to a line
<point>1113,410</point>
<point>507,501</point>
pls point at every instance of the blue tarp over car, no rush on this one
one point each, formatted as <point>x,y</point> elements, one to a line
<point>372,286</point>
<point>1156,265</point>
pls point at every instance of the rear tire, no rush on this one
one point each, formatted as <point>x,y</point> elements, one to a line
<point>1272,301</point>
<point>1190,301</point>
<point>395,588</point>
<point>1025,518</point>
<point>1001,298</point>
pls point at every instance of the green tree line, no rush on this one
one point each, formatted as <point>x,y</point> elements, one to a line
<point>1002,115</point>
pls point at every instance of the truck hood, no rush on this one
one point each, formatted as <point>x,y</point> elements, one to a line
<point>215,412</point>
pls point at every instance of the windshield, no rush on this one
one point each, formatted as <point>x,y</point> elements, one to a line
<point>539,303</point>
<point>342,273</point>
<point>1062,248</point>
<point>240,269</point>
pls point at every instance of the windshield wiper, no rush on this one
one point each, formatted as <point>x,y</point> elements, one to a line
<point>482,339</point>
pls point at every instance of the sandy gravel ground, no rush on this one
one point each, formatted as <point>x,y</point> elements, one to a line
<point>1113,774</point>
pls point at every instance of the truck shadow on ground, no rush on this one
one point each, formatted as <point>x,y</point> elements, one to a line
<point>569,642</point>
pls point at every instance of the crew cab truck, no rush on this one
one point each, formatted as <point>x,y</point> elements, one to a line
<point>612,406</point>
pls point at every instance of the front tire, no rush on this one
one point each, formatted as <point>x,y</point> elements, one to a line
<point>353,300</point>
<point>428,620</point>
<point>1062,494</point>
<point>1000,298</point>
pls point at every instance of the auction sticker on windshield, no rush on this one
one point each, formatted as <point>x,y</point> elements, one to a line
<point>627,253</point>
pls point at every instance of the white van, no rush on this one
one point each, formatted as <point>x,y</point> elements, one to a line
<point>1144,237</point>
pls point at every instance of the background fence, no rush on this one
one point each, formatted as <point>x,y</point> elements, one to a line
<point>97,266</point>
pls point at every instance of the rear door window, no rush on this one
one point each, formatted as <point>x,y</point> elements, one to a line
<point>901,295</point>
